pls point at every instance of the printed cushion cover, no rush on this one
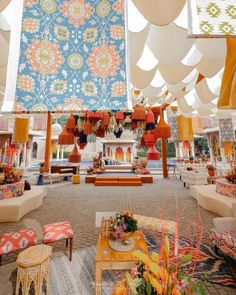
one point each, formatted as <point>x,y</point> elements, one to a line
<point>17,240</point>
<point>57,231</point>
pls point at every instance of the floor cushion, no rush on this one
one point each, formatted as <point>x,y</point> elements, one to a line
<point>57,231</point>
<point>17,240</point>
<point>225,241</point>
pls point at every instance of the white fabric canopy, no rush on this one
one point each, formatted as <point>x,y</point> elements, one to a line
<point>160,12</point>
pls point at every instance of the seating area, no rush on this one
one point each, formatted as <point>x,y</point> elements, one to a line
<point>117,147</point>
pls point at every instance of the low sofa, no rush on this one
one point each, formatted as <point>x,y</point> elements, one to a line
<point>223,236</point>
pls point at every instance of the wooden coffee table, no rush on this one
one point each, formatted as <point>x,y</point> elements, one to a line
<point>108,259</point>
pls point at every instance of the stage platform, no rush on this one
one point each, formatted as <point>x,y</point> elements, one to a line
<point>118,179</point>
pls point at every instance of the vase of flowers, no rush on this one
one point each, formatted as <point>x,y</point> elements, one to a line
<point>231,176</point>
<point>211,170</point>
<point>159,274</point>
<point>124,225</point>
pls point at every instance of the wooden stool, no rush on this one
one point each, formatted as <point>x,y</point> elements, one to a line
<point>76,179</point>
<point>33,267</point>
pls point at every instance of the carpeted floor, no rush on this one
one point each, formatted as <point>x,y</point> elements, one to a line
<point>165,199</point>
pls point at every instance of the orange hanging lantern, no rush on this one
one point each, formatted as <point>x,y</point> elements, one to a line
<point>100,132</point>
<point>162,129</point>
<point>156,111</point>
<point>74,156</point>
<point>70,123</point>
<point>120,116</point>
<point>65,137</point>
<point>149,138</point>
<point>106,119</point>
<point>153,154</point>
<point>139,113</point>
<point>88,127</point>
<point>137,91</point>
<point>150,119</point>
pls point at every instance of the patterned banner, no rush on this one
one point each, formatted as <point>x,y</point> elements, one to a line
<point>172,121</point>
<point>4,124</point>
<point>212,17</point>
<point>73,55</point>
<point>197,125</point>
<point>226,129</point>
<point>40,123</point>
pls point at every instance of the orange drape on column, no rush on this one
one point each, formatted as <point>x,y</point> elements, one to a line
<point>21,132</point>
<point>185,128</point>
<point>47,155</point>
<point>227,98</point>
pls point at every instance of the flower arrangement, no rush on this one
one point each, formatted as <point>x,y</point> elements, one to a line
<point>9,174</point>
<point>231,176</point>
<point>123,223</point>
<point>159,274</point>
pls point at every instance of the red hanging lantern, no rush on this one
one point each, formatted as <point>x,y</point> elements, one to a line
<point>149,138</point>
<point>150,119</point>
<point>70,123</point>
<point>100,132</point>
<point>74,156</point>
<point>65,137</point>
<point>106,119</point>
<point>156,111</point>
<point>162,129</point>
<point>120,116</point>
<point>153,154</point>
<point>88,127</point>
<point>139,113</point>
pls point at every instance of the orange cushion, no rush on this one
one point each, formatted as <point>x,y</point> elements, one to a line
<point>57,231</point>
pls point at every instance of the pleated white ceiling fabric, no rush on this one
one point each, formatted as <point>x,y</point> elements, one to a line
<point>159,28</point>
<point>160,12</point>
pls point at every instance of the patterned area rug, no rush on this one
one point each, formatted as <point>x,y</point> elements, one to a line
<point>77,277</point>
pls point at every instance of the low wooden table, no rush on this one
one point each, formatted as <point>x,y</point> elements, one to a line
<point>108,259</point>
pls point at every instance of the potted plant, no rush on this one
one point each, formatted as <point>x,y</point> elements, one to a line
<point>231,176</point>
<point>211,170</point>
<point>191,159</point>
<point>124,226</point>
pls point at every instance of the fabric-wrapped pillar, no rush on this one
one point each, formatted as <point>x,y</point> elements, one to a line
<point>47,155</point>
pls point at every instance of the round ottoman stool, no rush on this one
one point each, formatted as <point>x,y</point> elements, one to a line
<point>32,267</point>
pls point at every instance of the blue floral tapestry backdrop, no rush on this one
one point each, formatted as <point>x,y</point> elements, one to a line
<point>73,55</point>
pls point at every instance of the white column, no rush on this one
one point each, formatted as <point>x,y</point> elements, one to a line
<point>58,153</point>
<point>181,149</point>
<point>177,150</point>
<point>222,154</point>
<point>192,151</point>
<point>62,153</point>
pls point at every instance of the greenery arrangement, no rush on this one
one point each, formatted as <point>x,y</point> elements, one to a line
<point>159,275</point>
<point>9,174</point>
<point>124,223</point>
<point>231,176</point>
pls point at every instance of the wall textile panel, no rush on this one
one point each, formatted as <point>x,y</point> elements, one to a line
<point>212,17</point>
<point>185,128</point>
<point>73,54</point>
<point>172,121</point>
<point>226,129</point>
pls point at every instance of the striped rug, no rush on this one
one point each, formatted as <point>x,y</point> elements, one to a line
<point>77,277</point>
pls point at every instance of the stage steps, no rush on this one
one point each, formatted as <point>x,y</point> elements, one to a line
<point>118,181</point>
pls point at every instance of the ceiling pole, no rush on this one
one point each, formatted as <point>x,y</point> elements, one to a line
<point>164,158</point>
<point>47,155</point>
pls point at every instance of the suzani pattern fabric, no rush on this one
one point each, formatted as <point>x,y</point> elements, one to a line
<point>73,55</point>
<point>212,17</point>
<point>174,129</point>
<point>226,129</point>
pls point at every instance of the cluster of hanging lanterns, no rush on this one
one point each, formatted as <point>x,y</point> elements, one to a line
<point>99,123</point>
